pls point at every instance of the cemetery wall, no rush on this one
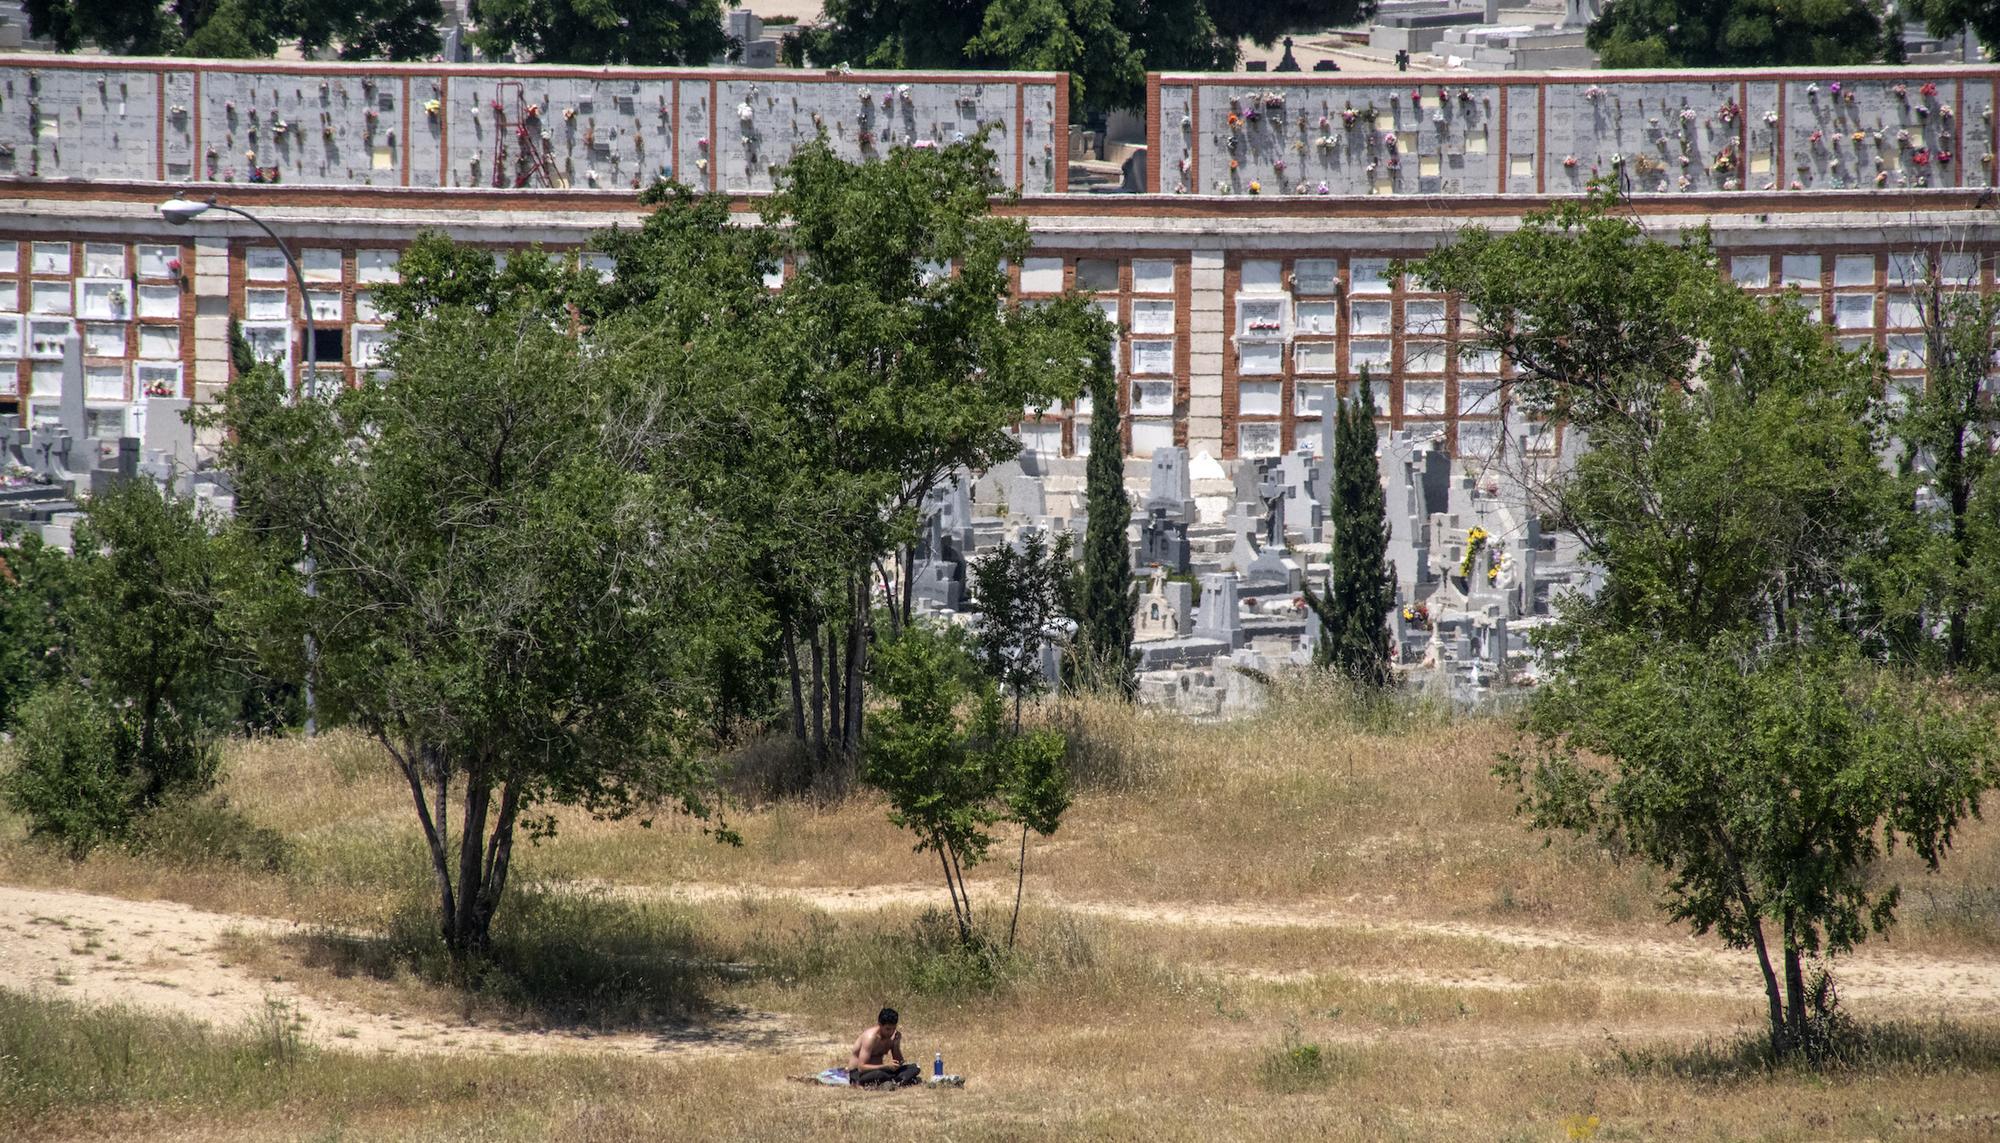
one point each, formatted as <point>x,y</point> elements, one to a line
<point>1241,316</point>
<point>1653,132</point>
<point>495,127</point>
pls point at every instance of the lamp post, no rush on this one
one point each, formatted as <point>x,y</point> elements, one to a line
<point>180,212</point>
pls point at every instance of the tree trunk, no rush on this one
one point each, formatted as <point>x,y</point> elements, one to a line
<point>909,563</point>
<point>836,678</point>
<point>950,886</point>
<point>818,699</point>
<point>965,895</point>
<point>798,698</point>
<point>499,858</point>
<point>407,762</point>
<point>467,936</point>
<point>1795,993</point>
<point>1779,1044</point>
<point>857,661</point>
<point>1020,877</point>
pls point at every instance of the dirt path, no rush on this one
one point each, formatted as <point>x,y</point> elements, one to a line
<point>165,957</point>
<point>1927,983</point>
<point>173,958</point>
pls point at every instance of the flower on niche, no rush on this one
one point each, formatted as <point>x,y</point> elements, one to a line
<point>1234,120</point>
<point>174,267</point>
<point>1416,97</point>
<point>1569,160</point>
<point>1347,116</point>
<point>1770,117</point>
<point>1593,92</point>
<point>1921,157</point>
<point>431,108</point>
<point>1927,90</point>
<point>569,114</point>
<point>1859,136</point>
<point>1232,164</point>
<point>1816,137</point>
<point>1833,88</point>
<point>1278,166</point>
<point>1797,185</point>
<point>1687,114</point>
<point>1812,89</point>
<point>1255,186</point>
<point>1322,187</point>
<point>1900,91</point>
<point>1685,182</point>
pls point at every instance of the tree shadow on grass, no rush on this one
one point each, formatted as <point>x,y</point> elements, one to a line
<point>562,959</point>
<point>1902,1047</point>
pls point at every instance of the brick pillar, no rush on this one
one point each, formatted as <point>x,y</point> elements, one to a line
<point>1205,349</point>
<point>211,317</point>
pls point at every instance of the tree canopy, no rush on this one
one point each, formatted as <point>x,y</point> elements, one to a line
<point>1757,557</point>
<point>601,31</point>
<point>1107,46</point>
<point>1737,33</point>
<point>365,29</point>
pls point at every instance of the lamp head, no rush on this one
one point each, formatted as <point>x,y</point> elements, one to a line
<point>181,211</point>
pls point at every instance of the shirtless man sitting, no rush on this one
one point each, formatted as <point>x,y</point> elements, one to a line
<point>868,1065</point>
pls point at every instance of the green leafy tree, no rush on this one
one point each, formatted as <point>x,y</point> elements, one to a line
<point>35,585</point>
<point>147,623</point>
<point>1107,599</point>
<point>1107,46</point>
<point>1946,436</point>
<point>1947,19</point>
<point>939,753</point>
<point>518,585</point>
<point>1037,795</point>
<point>601,31</point>
<point>1023,594</point>
<point>144,689</point>
<point>241,29</point>
<point>881,376</point>
<point>1750,539</point>
<point>1081,37</point>
<point>1737,33</point>
<point>1025,601</point>
<point>1265,23</point>
<point>1780,780</point>
<point>1353,612</point>
<point>70,781</point>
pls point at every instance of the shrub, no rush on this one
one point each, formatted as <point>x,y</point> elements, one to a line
<point>198,831</point>
<point>70,782</point>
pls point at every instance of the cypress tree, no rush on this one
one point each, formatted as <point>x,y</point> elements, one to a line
<point>1107,600</point>
<point>1354,630</point>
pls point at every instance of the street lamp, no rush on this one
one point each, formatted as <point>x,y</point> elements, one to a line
<point>181,211</point>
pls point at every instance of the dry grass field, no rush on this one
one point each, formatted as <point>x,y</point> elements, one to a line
<point>1307,924</point>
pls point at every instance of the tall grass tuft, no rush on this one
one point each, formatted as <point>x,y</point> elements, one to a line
<point>1892,1047</point>
<point>56,1055</point>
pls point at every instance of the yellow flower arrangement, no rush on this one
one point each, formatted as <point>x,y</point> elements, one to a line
<point>1474,540</point>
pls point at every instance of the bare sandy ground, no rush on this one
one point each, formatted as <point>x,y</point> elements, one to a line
<point>165,957</point>
<point>1912,983</point>
<point>168,957</point>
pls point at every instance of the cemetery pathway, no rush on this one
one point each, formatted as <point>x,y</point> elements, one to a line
<point>1958,985</point>
<point>166,957</point>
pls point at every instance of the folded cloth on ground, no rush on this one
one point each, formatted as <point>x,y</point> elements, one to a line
<point>833,1077</point>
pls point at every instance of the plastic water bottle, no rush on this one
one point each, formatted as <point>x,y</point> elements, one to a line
<point>937,1065</point>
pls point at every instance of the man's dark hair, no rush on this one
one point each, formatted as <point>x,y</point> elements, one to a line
<point>886,1016</point>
